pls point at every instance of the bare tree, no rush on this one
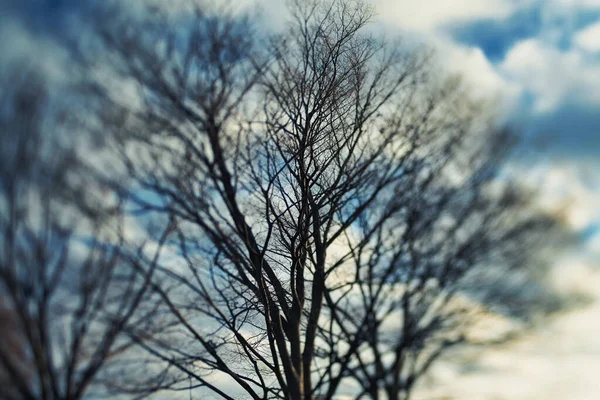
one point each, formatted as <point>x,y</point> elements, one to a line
<point>328,193</point>
<point>403,300</point>
<point>69,285</point>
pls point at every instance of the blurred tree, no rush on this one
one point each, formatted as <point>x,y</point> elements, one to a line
<point>69,285</point>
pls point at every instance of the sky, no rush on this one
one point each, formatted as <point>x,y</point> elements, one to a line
<point>541,60</point>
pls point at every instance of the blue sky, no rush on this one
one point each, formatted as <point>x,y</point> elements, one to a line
<point>541,60</point>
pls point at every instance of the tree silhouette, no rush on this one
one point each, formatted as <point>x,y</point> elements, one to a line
<point>322,195</point>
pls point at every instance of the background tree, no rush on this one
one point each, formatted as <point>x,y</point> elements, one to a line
<point>328,193</point>
<point>69,284</point>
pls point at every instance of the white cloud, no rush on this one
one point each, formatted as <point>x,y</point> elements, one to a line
<point>563,192</point>
<point>559,360</point>
<point>430,14</point>
<point>575,274</point>
<point>589,38</point>
<point>421,23</point>
<point>478,73</point>
<point>552,75</point>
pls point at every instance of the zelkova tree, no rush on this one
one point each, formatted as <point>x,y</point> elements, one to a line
<point>328,193</point>
<point>69,283</point>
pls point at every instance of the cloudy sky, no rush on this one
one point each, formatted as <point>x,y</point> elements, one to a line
<point>541,60</point>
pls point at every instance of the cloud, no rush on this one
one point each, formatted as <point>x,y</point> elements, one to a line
<point>552,76</point>
<point>478,73</point>
<point>589,38</point>
<point>559,360</point>
<point>564,192</point>
<point>426,23</point>
<point>559,98</point>
<point>431,14</point>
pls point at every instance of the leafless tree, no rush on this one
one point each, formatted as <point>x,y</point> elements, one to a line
<point>329,193</point>
<point>69,285</point>
<point>402,300</point>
